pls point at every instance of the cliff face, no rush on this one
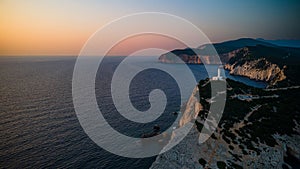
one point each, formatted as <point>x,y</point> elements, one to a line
<point>168,58</point>
<point>245,136</point>
<point>259,69</point>
<point>226,57</point>
<point>245,57</point>
<point>258,63</point>
<point>191,56</point>
<point>190,59</point>
<point>186,153</point>
<point>208,53</point>
<point>191,109</point>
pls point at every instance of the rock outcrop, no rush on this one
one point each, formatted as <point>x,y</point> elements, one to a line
<point>209,53</point>
<point>239,62</point>
<point>259,69</point>
<point>245,57</point>
<point>191,56</point>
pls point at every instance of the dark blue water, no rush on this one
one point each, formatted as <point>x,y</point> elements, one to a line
<point>38,124</point>
<point>141,85</point>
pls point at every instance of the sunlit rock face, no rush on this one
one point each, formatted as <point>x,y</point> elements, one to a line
<point>191,109</point>
<point>190,56</point>
<point>190,59</point>
<point>247,57</point>
<point>259,69</point>
<point>244,61</point>
<point>186,153</point>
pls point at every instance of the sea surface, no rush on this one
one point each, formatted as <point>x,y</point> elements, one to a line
<point>39,127</point>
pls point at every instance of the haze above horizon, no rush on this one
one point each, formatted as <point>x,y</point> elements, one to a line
<point>61,27</point>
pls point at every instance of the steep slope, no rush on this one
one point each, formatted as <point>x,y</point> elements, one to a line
<point>245,57</point>
<point>270,64</point>
<point>259,69</point>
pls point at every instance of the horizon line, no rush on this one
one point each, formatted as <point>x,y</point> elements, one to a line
<point>75,55</point>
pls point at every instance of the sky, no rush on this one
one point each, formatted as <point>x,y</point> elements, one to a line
<point>61,27</point>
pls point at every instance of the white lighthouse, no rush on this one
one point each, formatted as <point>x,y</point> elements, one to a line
<point>219,73</point>
<point>219,77</point>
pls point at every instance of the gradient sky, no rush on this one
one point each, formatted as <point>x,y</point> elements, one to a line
<point>61,27</point>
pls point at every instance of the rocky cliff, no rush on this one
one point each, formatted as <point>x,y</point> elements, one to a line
<point>185,154</point>
<point>190,56</point>
<point>256,64</point>
<point>209,53</point>
<point>245,57</point>
<point>259,69</point>
<point>241,62</point>
<point>245,136</point>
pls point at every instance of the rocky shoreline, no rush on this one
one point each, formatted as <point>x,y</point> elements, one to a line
<point>260,70</point>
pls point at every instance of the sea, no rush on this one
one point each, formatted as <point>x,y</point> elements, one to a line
<point>40,129</point>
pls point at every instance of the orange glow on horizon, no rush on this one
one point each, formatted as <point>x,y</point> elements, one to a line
<point>61,27</point>
<point>34,28</point>
<point>136,43</point>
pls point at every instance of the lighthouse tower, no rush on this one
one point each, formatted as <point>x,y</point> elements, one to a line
<point>219,77</point>
<point>219,73</point>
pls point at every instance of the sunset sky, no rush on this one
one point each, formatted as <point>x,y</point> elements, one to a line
<point>61,27</point>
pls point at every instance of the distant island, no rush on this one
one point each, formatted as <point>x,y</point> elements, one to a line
<point>257,59</point>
